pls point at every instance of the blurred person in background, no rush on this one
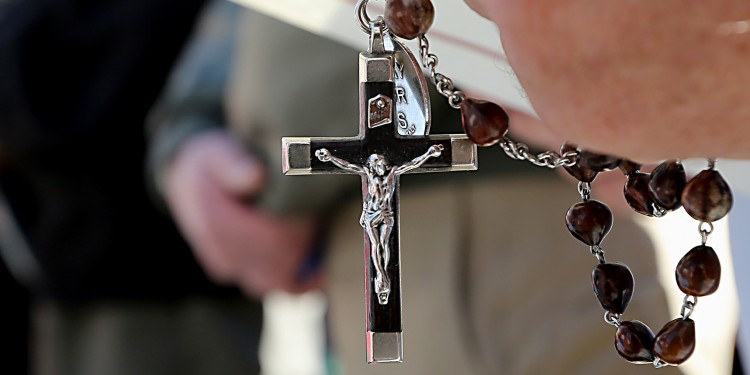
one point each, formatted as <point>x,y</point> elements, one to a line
<point>215,158</point>
<point>116,290</point>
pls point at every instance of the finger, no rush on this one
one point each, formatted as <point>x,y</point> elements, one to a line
<point>478,6</point>
<point>531,130</point>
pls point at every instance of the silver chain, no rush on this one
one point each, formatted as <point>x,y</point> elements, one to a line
<point>549,159</point>
<point>515,150</point>
<point>442,82</point>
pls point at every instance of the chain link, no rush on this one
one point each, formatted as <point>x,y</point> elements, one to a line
<point>549,159</point>
<point>659,363</point>
<point>705,231</point>
<point>688,306</point>
<point>598,252</point>
<point>515,150</point>
<point>442,82</point>
<point>612,318</point>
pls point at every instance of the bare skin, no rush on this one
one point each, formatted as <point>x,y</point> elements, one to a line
<point>377,208</point>
<point>643,79</point>
<point>206,187</point>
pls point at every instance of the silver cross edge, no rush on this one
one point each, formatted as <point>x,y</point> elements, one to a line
<point>393,139</point>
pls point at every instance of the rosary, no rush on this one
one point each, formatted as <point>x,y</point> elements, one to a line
<point>394,139</point>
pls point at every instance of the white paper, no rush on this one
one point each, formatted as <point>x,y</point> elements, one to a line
<point>468,46</point>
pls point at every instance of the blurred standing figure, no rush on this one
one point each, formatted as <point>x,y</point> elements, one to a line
<point>118,291</point>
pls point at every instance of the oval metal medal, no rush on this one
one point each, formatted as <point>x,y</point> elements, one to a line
<point>412,97</point>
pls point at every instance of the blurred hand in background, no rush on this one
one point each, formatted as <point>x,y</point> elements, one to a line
<point>208,186</point>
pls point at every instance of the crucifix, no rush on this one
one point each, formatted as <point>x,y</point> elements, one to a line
<point>393,139</point>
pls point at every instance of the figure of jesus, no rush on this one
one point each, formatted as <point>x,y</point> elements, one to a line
<point>377,208</point>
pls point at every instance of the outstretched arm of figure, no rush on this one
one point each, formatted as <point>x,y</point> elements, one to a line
<point>433,151</point>
<point>325,156</point>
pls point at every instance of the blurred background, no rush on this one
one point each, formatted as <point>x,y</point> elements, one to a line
<point>145,227</point>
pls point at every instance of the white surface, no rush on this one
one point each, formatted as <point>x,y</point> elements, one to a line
<point>740,236</point>
<point>467,45</point>
<point>293,339</point>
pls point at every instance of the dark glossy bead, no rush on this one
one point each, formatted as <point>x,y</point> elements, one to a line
<point>485,123</point>
<point>579,173</point>
<point>598,162</point>
<point>707,197</point>
<point>634,341</point>
<point>613,285</point>
<point>629,167</point>
<point>409,18</point>
<point>666,185</point>
<point>589,221</point>
<point>699,271</point>
<point>637,195</point>
<point>675,343</point>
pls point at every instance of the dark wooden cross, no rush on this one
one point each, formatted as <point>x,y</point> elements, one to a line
<point>379,135</point>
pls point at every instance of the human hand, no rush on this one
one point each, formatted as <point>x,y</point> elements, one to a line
<point>206,187</point>
<point>323,155</point>
<point>642,79</point>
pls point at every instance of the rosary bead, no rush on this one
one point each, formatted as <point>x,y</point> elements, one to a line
<point>675,343</point>
<point>613,284</point>
<point>578,172</point>
<point>598,162</point>
<point>589,221</point>
<point>637,194</point>
<point>699,272</point>
<point>485,123</point>
<point>666,185</point>
<point>707,197</point>
<point>634,341</point>
<point>629,167</point>
<point>409,18</point>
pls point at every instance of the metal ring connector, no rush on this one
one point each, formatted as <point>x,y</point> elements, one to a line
<point>705,232</point>
<point>711,163</point>
<point>659,363</point>
<point>612,318</point>
<point>598,252</point>
<point>584,189</point>
<point>688,306</point>
<point>361,12</point>
<point>364,19</point>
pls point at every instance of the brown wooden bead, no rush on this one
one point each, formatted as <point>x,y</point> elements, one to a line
<point>666,184</point>
<point>598,162</point>
<point>589,221</point>
<point>485,123</point>
<point>699,271</point>
<point>637,195</point>
<point>613,284</point>
<point>634,341</point>
<point>409,18</point>
<point>578,172</point>
<point>629,167</point>
<point>675,343</point>
<point>707,197</point>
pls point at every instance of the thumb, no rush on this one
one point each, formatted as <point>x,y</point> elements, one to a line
<point>479,7</point>
<point>237,171</point>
